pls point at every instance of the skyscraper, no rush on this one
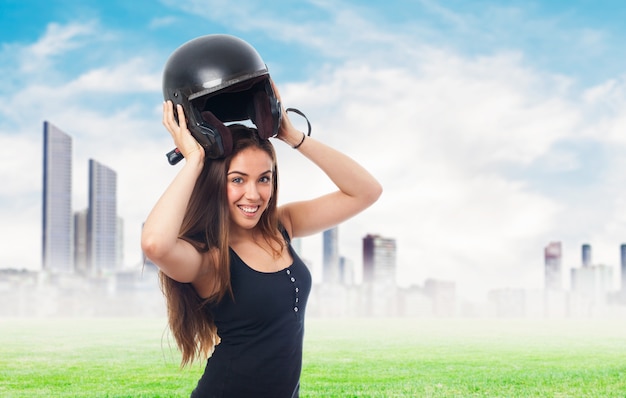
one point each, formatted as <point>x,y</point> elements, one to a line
<point>80,242</point>
<point>57,200</point>
<point>553,259</point>
<point>331,272</point>
<point>379,260</point>
<point>586,254</point>
<point>346,271</point>
<point>102,222</point>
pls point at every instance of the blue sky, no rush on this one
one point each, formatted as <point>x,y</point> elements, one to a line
<point>495,127</point>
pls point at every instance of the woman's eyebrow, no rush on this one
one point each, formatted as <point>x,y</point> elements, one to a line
<point>246,174</point>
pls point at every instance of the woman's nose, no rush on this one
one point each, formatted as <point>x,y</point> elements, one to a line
<point>252,192</point>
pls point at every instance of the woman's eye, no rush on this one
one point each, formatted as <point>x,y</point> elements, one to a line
<point>237,180</point>
<point>265,179</point>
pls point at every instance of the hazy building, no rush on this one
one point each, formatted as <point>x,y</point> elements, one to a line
<point>507,302</point>
<point>443,295</point>
<point>57,200</point>
<point>331,271</point>
<point>592,281</point>
<point>553,261</point>
<point>346,271</point>
<point>102,220</point>
<point>586,255</point>
<point>379,260</point>
<point>379,276</point>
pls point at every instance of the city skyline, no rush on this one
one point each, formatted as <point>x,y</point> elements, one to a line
<point>98,237</point>
<point>88,241</point>
<point>97,240</point>
<point>494,128</point>
<point>100,247</point>
<point>378,259</point>
<point>133,292</point>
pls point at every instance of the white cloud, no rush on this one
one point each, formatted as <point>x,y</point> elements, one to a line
<point>133,76</point>
<point>57,40</point>
<point>441,137</point>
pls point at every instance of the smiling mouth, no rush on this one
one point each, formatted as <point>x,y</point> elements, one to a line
<point>249,210</point>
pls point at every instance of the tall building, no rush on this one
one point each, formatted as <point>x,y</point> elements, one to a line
<point>331,272</point>
<point>346,271</point>
<point>379,260</point>
<point>622,251</point>
<point>586,254</point>
<point>57,200</point>
<point>553,260</point>
<point>102,221</point>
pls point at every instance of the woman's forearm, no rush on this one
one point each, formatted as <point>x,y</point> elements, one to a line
<point>357,189</point>
<point>348,175</point>
<point>162,227</point>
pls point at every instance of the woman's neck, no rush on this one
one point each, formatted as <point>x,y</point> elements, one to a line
<point>238,234</point>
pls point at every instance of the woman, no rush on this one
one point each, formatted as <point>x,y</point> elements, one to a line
<point>235,289</point>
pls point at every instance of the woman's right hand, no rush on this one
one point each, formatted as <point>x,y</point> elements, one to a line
<point>184,141</point>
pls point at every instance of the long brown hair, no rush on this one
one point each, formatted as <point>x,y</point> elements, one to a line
<point>205,226</point>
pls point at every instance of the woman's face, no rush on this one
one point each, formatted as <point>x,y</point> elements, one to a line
<point>249,186</point>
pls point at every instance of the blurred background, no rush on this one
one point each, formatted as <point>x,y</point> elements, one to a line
<point>496,130</point>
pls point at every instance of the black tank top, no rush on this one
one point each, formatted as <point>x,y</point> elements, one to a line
<point>261,331</point>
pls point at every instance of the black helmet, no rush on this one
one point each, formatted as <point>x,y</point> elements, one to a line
<point>220,78</point>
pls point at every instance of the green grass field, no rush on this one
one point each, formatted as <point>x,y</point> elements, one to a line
<point>343,358</point>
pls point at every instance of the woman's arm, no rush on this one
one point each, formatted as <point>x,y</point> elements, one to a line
<point>358,189</point>
<point>160,236</point>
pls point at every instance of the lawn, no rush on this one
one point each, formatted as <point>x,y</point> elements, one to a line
<point>343,358</point>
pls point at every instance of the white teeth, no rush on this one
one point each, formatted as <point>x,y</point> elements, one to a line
<point>248,209</point>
